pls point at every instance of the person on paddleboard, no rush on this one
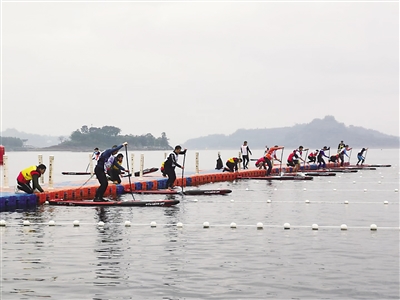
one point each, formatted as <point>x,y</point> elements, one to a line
<point>321,155</point>
<point>360,156</point>
<point>29,174</point>
<point>342,153</point>
<point>294,158</point>
<point>340,146</point>
<point>169,166</point>
<point>116,169</point>
<point>232,164</point>
<point>245,150</point>
<point>312,158</point>
<point>271,154</point>
<point>99,171</point>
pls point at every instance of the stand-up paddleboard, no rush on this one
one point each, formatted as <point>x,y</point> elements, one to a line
<point>312,174</point>
<point>370,166</point>
<point>187,192</point>
<point>137,174</point>
<point>61,202</point>
<point>277,177</point>
<point>146,171</point>
<point>75,173</point>
<point>354,168</point>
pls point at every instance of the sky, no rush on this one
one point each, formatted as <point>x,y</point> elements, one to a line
<point>192,69</point>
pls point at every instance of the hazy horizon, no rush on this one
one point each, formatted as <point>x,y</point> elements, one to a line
<point>192,69</point>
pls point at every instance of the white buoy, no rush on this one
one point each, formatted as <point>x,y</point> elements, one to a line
<point>179,225</point>
<point>354,182</point>
<point>346,202</point>
<point>260,225</point>
<point>195,200</point>
<point>26,223</point>
<point>365,190</point>
<point>334,189</point>
<point>232,200</point>
<point>379,182</point>
<point>52,223</point>
<point>275,189</point>
<point>3,223</point>
<point>307,201</point>
<point>46,202</point>
<point>304,189</point>
<point>385,202</point>
<point>206,225</point>
<point>329,181</point>
<point>374,227</point>
<point>381,176</point>
<point>153,224</point>
<point>76,223</point>
<point>269,201</point>
<point>100,224</point>
<point>127,223</point>
<point>396,190</point>
<point>233,225</point>
<point>360,176</point>
<point>247,189</point>
<point>314,226</point>
<point>343,227</point>
<point>286,226</point>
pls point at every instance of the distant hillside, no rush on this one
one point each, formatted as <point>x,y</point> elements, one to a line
<point>32,140</point>
<point>316,134</point>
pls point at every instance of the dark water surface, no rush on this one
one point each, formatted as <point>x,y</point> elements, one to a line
<point>166,262</point>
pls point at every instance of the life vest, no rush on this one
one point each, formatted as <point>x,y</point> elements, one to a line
<point>26,174</point>
<point>290,157</point>
<point>232,160</point>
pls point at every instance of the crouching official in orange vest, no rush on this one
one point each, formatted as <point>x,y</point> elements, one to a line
<point>29,174</point>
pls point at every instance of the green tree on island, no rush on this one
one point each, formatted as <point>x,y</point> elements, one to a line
<point>106,136</point>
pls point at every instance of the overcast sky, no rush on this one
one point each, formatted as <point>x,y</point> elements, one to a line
<point>194,69</point>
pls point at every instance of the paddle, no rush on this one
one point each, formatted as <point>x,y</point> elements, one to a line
<point>87,180</point>
<point>365,157</point>
<point>183,169</point>
<point>280,166</point>
<point>127,167</point>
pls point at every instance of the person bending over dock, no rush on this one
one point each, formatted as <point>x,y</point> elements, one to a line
<point>232,164</point>
<point>29,174</point>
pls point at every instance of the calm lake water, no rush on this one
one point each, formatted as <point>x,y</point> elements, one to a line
<point>166,262</point>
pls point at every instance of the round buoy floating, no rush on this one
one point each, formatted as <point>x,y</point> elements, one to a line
<point>346,202</point>
<point>26,223</point>
<point>76,223</point>
<point>260,225</point>
<point>195,200</point>
<point>100,224</point>
<point>379,182</point>
<point>314,226</point>
<point>179,225</point>
<point>3,223</point>
<point>385,202</point>
<point>52,223</point>
<point>286,226</point>
<point>269,201</point>
<point>373,227</point>
<point>365,190</point>
<point>127,223</point>
<point>334,189</point>
<point>233,225</point>
<point>232,200</point>
<point>206,225</point>
<point>46,202</point>
<point>396,190</point>
<point>304,189</point>
<point>343,227</point>
<point>307,201</point>
<point>354,182</point>
<point>153,224</point>
<point>275,189</point>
